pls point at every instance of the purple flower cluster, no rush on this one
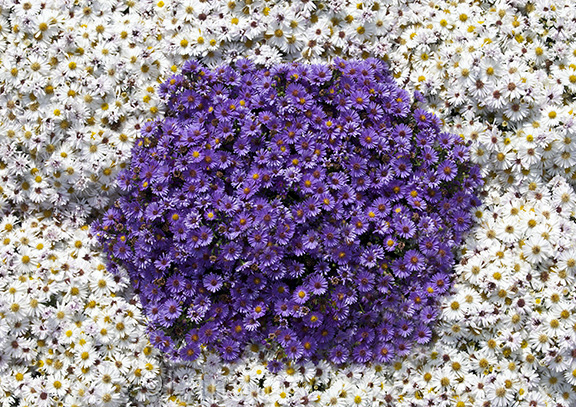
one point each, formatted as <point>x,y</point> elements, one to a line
<point>313,208</point>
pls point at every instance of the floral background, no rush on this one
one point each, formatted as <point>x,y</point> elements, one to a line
<point>79,79</point>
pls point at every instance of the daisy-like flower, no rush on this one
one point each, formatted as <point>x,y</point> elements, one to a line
<point>536,249</point>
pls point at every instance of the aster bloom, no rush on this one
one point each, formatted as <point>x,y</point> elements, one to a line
<point>270,199</point>
<point>300,295</point>
<point>384,352</point>
<point>212,282</point>
<point>229,349</point>
<point>365,281</point>
<point>446,170</point>
<point>317,284</point>
<point>414,260</point>
<point>405,228</point>
<point>362,353</point>
<point>171,310</point>
<point>339,355</point>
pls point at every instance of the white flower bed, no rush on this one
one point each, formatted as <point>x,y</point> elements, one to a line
<point>77,80</point>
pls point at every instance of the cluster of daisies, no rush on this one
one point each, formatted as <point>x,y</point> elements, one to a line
<point>305,204</point>
<point>78,79</point>
<point>71,333</point>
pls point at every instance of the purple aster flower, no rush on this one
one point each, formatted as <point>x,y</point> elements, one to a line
<point>276,272</point>
<point>357,165</point>
<point>441,281</point>
<point>300,295</point>
<point>202,236</point>
<point>190,352</point>
<point>400,268</point>
<point>341,254</point>
<point>244,66</point>
<point>341,313</point>
<point>383,284</point>
<point>343,295</point>
<point>181,232</point>
<point>337,180</point>
<point>258,239</point>
<point>362,353</point>
<point>402,131</point>
<point>317,284</point>
<point>170,311</point>
<point>175,284</point>
<point>270,256</point>
<point>164,262</point>
<point>327,201</point>
<point>310,344</point>
<point>359,225</point>
<point>229,349</point>
<point>275,366</point>
<point>371,256</point>
<point>212,282</point>
<point>208,333</point>
<point>414,261</point>
<point>423,118</point>
<point>310,240</point>
<point>339,355</point>
<point>346,195</point>
<point>231,251</point>
<point>295,269</point>
<point>320,74</point>
<point>460,154</point>
<point>294,350</point>
<point>389,243</point>
<point>154,211</point>
<point>259,310</point>
<point>312,207</point>
<point>403,347</point>
<point>429,156</point>
<point>385,332</point>
<point>384,352</point>
<point>447,139</point>
<point>447,171</point>
<point>375,111</point>
<point>382,228</point>
<point>365,335</point>
<point>423,334</point>
<point>417,203</point>
<point>380,207</point>
<point>160,340</point>
<point>295,91</point>
<point>322,267</point>
<point>330,235</point>
<point>153,313</point>
<point>360,100</point>
<point>365,281</point>
<point>402,167</point>
<point>286,336</point>
<point>369,138</point>
<point>297,247</point>
<point>404,328</point>
<point>405,228</point>
<point>219,311</point>
<point>313,319</point>
<point>299,213</point>
<point>283,307</point>
<point>192,66</point>
<point>198,308</point>
<point>121,250</point>
<point>429,245</point>
<point>461,220</point>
